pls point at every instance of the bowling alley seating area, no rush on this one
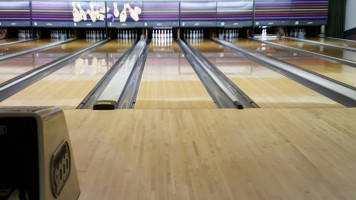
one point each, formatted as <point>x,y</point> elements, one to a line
<point>177,99</point>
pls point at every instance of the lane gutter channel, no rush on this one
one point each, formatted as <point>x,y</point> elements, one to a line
<point>224,92</point>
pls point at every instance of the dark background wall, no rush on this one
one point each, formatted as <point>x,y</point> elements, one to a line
<point>336,18</point>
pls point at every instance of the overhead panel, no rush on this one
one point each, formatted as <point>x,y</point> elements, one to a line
<point>161,14</point>
<point>272,12</point>
<point>87,14</point>
<point>125,14</point>
<point>234,13</point>
<point>14,13</point>
<point>198,14</point>
<point>51,14</point>
<point>312,12</point>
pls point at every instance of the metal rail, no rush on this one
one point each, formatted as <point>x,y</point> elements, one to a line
<point>339,93</point>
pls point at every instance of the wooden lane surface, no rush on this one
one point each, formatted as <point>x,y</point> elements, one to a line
<point>8,40</point>
<point>68,86</point>
<point>339,72</point>
<point>329,51</point>
<point>23,46</point>
<point>21,64</point>
<point>334,42</point>
<point>224,154</point>
<point>265,87</point>
<point>169,81</point>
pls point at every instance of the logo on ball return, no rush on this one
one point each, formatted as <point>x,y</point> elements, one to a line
<point>3,129</point>
<point>60,168</point>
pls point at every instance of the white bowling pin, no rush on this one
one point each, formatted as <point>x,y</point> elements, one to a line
<point>76,14</point>
<point>100,17</point>
<point>123,15</point>
<point>138,10</point>
<point>116,11</point>
<point>102,10</point>
<point>83,14</point>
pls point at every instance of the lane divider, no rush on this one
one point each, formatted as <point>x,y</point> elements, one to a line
<point>42,48</point>
<point>331,89</point>
<point>114,89</point>
<point>224,93</point>
<point>89,101</point>
<point>22,81</point>
<point>16,42</point>
<point>318,55</point>
<point>321,43</point>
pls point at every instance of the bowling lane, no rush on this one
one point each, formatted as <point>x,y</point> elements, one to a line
<point>19,65</point>
<point>68,86</point>
<point>338,72</point>
<point>169,81</point>
<point>266,87</point>
<point>23,46</point>
<point>334,42</point>
<point>329,51</point>
<point>8,40</point>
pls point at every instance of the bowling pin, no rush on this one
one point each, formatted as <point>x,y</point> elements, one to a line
<point>83,15</point>
<point>137,10</point>
<point>133,13</point>
<point>123,16</point>
<point>76,14</point>
<point>90,11</point>
<point>116,11</point>
<point>102,10</point>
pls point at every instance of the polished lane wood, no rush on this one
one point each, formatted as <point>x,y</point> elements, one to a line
<point>68,86</point>
<point>224,154</point>
<point>329,51</point>
<point>8,40</point>
<point>23,46</point>
<point>21,64</point>
<point>340,43</point>
<point>338,72</point>
<point>265,87</point>
<point>169,81</point>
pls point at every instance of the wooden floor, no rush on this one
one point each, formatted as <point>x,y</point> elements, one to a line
<point>169,81</point>
<point>179,153</point>
<point>342,73</point>
<point>68,86</point>
<point>23,46</point>
<point>334,52</point>
<point>253,154</point>
<point>265,87</point>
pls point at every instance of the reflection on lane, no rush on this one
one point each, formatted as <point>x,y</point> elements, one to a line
<point>329,51</point>
<point>8,40</point>
<point>334,42</point>
<point>21,64</point>
<point>23,46</point>
<point>68,86</point>
<point>339,72</point>
<point>266,87</point>
<point>169,81</point>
